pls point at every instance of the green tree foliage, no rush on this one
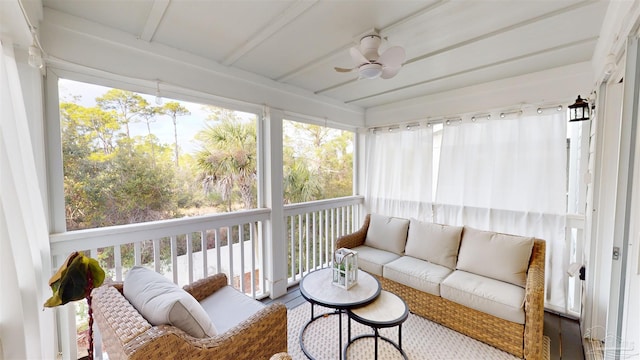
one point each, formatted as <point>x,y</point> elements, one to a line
<point>318,162</point>
<point>104,184</point>
<point>125,104</point>
<point>227,158</point>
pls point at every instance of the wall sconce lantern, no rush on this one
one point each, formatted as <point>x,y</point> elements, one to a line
<point>579,111</point>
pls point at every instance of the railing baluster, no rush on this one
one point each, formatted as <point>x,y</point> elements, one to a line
<point>117,259</point>
<point>230,253</point>
<point>242,269</point>
<point>293,250</point>
<point>253,242</point>
<point>156,255</point>
<point>300,250</point>
<point>205,253</point>
<point>189,258</point>
<point>137,253</point>
<point>174,258</point>
<point>306,241</point>
<point>314,239</point>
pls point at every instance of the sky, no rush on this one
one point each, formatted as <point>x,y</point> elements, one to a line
<point>187,126</point>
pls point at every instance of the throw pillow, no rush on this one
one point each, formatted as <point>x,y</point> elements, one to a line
<point>435,243</point>
<point>387,233</point>
<point>162,302</point>
<point>498,256</point>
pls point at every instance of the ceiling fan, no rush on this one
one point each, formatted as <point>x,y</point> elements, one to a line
<point>370,64</point>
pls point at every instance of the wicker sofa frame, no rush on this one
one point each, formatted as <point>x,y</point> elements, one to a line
<point>524,341</point>
<point>127,335</point>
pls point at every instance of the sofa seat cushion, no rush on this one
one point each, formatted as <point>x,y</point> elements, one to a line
<point>162,302</point>
<point>498,256</point>
<point>228,307</point>
<point>435,243</point>
<point>387,233</point>
<point>418,274</point>
<point>481,293</point>
<point>371,259</point>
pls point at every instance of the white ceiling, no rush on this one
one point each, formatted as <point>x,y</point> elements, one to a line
<point>449,44</point>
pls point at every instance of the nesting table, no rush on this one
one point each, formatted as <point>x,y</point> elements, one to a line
<point>317,289</point>
<point>387,310</point>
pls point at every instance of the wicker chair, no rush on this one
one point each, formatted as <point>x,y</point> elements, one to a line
<point>523,341</point>
<point>127,335</point>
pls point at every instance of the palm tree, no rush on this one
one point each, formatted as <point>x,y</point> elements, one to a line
<point>227,159</point>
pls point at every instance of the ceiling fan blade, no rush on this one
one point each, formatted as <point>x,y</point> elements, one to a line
<point>342,70</point>
<point>358,58</point>
<point>393,57</point>
<point>389,72</point>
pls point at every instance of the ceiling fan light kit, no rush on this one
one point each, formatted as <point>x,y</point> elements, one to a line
<point>370,64</point>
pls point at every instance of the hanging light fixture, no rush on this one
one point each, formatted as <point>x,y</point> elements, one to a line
<point>579,111</point>
<point>35,57</point>
<point>158,96</point>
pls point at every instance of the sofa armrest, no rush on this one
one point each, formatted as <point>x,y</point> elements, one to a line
<point>534,302</point>
<point>354,239</point>
<point>204,287</point>
<point>258,337</point>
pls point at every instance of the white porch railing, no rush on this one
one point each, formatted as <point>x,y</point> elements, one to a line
<point>175,248</point>
<point>313,228</point>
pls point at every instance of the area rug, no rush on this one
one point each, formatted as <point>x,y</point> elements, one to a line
<point>421,340</point>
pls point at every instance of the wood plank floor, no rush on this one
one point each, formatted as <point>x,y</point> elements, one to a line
<point>566,341</point>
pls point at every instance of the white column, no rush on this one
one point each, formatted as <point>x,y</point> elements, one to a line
<point>275,239</point>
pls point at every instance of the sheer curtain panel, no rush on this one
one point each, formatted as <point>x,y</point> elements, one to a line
<point>399,173</point>
<point>27,331</point>
<point>509,175</point>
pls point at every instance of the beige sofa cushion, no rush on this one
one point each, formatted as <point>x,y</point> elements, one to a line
<point>162,302</point>
<point>498,256</point>
<point>228,307</point>
<point>372,260</point>
<point>490,296</point>
<point>435,243</point>
<point>418,274</point>
<point>387,233</point>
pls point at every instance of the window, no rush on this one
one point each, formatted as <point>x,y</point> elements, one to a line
<point>317,161</point>
<point>128,159</point>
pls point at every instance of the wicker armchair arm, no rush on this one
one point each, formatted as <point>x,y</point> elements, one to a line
<point>534,303</point>
<point>354,239</point>
<point>258,337</point>
<point>204,287</point>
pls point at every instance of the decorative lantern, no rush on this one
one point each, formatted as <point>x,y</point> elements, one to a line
<point>345,268</point>
<point>579,111</point>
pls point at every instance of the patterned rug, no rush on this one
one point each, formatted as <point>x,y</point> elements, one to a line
<point>421,339</point>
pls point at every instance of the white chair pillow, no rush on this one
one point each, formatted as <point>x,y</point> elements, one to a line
<point>162,302</point>
<point>387,233</point>
<point>434,243</point>
<point>498,256</point>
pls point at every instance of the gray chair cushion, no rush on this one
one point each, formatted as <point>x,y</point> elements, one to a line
<point>228,307</point>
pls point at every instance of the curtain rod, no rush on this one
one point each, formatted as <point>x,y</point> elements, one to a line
<point>473,117</point>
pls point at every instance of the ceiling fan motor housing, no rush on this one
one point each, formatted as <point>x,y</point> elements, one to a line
<point>369,47</point>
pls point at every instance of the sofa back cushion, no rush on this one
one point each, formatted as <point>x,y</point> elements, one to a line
<point>435,243</point>
<point>494,255</point>
<point>387,233</point>
<point>162,302</point>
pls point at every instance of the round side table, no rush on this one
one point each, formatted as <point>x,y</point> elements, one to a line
<point>387,310</point>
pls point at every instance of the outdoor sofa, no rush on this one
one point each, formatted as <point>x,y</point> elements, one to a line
<point>486,285</point>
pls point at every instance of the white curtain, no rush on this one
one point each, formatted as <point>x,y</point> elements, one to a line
<point>399,173</point>
<point>509,176</point>
<point>26,329</point>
